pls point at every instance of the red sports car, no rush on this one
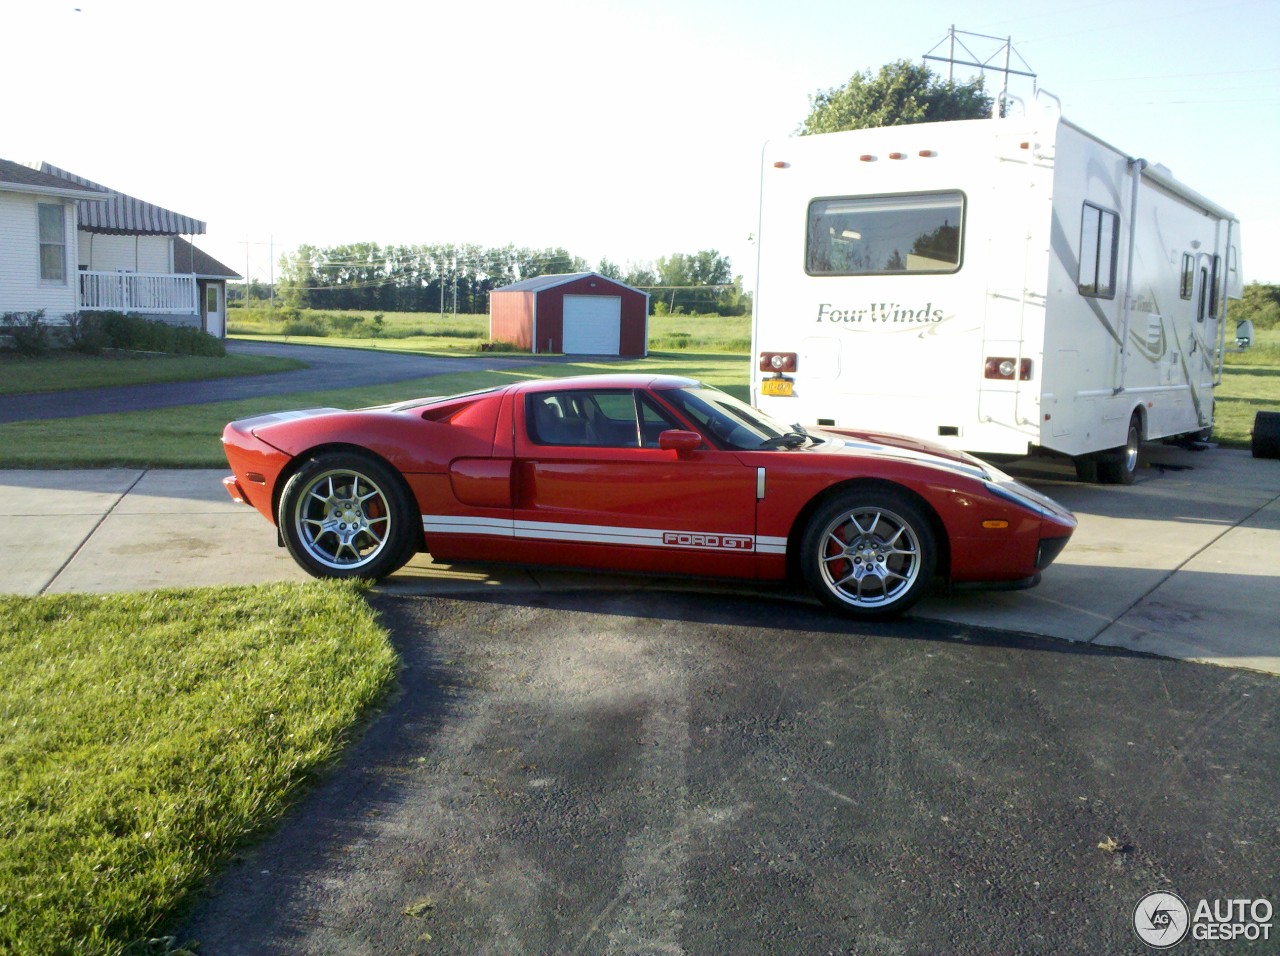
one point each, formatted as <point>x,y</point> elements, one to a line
<point>638,473</point>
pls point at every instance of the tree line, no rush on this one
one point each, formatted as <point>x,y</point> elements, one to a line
<point>368,276</point>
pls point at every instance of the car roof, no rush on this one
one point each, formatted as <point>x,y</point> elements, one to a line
<point>612,380</point>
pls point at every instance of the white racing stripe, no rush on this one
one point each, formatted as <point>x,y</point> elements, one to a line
<point>603,534</point>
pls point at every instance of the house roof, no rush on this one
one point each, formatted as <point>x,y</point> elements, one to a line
<point>188,259</point>
<point>16,177</point>
<point>539,283</point>
<point>122,214</point>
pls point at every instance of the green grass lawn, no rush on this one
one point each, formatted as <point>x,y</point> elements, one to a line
<point>145,736</point>
<point>429,332</point>
<point>189,436</point>
<point>62,370</point>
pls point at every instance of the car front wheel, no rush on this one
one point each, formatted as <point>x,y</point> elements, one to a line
<point>869,554</point>
<point>345,516</point>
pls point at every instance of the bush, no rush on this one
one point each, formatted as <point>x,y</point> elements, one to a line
<point>134,333</point>
<point>307,327</point>
<point>29,333</point>
<point>83,332</point>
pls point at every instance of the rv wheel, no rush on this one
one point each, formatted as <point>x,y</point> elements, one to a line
<point>1086,468</point>
<point>1266,435</point>
<point>1119,466</point>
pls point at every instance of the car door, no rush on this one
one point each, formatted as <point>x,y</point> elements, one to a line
<point>593,488</point>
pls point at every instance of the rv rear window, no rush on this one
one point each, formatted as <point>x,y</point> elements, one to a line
<point>878,235</point>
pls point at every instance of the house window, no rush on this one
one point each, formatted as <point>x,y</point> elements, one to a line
<point>885,235</point>
<point>53,243</point>
<point>1099,242</point>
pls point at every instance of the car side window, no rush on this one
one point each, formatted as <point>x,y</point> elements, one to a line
<point>615,418</point>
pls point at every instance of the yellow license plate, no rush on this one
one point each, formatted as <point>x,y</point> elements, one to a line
<point>776,386</point>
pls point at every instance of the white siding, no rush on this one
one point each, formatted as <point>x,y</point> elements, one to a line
<point>104,253</point>
<point>20,286</point>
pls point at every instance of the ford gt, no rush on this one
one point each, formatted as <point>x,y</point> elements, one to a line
<point>638,473</point>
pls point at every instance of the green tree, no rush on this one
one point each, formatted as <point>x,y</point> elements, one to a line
<point>693,283</point>
<point>297,277</point>
<point>1260,304</point>
<point>901,93</point>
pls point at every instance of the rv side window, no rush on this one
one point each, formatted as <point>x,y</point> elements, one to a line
<point>879,235</point>
<point>1099,240</point>
<point>1188,276</point>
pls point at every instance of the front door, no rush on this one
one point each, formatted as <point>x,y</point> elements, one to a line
<point>1202,366</point>
<point>593,488</point>
<point>215,316</point>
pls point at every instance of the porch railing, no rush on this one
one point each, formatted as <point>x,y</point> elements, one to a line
<point>139,292</point>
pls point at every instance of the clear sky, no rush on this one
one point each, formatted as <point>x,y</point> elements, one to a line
<point>629,129</point>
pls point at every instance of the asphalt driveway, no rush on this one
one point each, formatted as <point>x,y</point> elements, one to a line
<point>328,368</point>
<point>656,773</point>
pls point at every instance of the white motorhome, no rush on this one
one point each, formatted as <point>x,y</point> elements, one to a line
<point>998,286</point>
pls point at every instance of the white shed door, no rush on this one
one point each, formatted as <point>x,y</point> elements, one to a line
<point>592,324</point>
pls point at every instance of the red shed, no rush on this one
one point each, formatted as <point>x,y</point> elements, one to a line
<point>583,313</point>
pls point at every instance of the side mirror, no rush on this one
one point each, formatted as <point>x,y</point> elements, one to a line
<point>1244,334</point>
<point>679,441</point>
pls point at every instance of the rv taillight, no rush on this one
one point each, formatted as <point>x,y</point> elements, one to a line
<point>1003,368</point>
<point>777,361</point>
<point>897,155</point>
<point>927,153</point>
<point>780,165</point>
<point>867,158</point>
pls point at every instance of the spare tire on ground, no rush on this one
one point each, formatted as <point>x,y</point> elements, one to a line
<point>1266,435</point>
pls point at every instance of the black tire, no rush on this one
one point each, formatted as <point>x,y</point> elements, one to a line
<point>1266,435</point>
<point>1086,468</point>
<point>1119,466</point>
<point>346,515</point>
<point>869,554</point>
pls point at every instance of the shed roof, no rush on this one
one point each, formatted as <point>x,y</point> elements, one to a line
<point>122,214</point>
<point>17,177</point>
<point>539,283</point>
<point>188,259</point>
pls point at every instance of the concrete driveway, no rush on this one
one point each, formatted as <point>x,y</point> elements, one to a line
<point>1185,563</point>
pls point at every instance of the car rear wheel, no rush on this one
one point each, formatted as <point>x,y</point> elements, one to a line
<point>869,554</point>
<point>346,516</point>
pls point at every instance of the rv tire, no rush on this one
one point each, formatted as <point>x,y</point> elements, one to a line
<point>1119,466</point>
<point>1266,435</point>
<point>1086,468</point>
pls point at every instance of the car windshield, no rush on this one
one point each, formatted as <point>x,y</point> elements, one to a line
<point>732,423</point>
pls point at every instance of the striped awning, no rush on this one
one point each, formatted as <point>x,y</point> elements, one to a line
<point>124,215</point>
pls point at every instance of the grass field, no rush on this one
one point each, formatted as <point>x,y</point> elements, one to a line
<point>145,736</point>
<point>429,332</point>
<point>189,436</point>
<point>61,370</point>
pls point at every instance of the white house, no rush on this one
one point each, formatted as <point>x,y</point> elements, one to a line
<point>68,245</point>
